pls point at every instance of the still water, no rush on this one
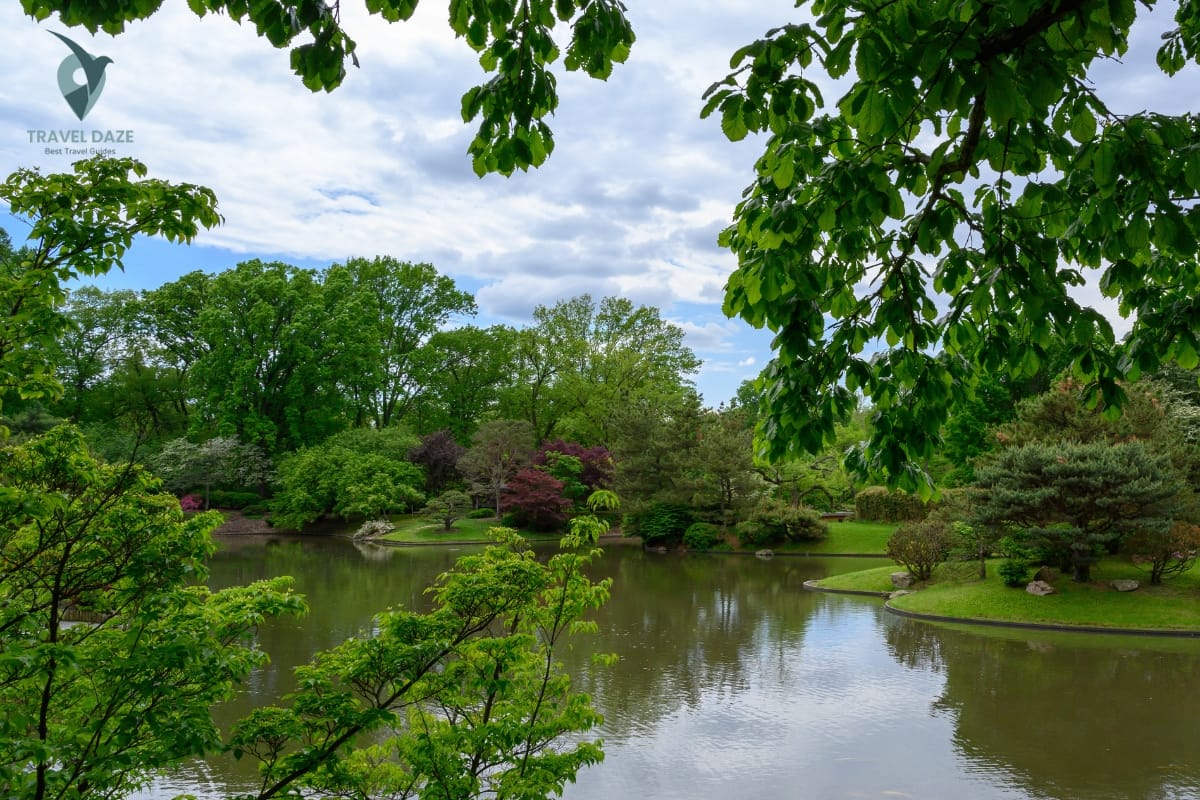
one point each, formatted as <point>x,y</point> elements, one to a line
<point>734,682</point>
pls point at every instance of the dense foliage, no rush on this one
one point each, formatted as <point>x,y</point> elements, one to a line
<point>967,175</point>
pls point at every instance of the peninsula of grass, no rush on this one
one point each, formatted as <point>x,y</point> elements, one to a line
<point>415,529</point>
<point>958,593</point>
<point>846,538</point>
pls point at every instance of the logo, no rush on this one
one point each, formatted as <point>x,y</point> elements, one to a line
<point>81,97</point>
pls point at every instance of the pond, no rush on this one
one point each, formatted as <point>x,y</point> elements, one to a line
<point>735,682</point>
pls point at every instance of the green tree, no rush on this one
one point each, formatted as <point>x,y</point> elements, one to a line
<point>277,350</point>
<point>400,305</point>
<point>448,507</point>
<point>461,374</point>
<point>581,361</point>
<point>720,468</point>
<point>98,338</point>
<point>499,450</point>
<point>185,465</point>
<point>465,700</point>
<point>80,224</point>
<point>363,472</point>
<point>91,710</point>
<point>968,175</point>
<point>1073,501</point>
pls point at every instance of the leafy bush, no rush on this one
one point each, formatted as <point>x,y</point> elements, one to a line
<point>536,501</point>
<point>753,534</point>
<point>372,528</point>
<point>1014,572</point>
<point>255,509</point>
<point>920,546</point>
<point>481,513</point>
<point>190,502</point>
<point>774,521</point>
<point>881,504</point>
<point>1165,554</point>
<point>662,523</point>
<point>701,536</point>
<point>222,499</point>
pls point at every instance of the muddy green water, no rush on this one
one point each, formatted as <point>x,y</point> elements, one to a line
<point>734,682</point>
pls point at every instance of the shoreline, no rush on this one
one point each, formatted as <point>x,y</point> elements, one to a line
<point>1175,633</point>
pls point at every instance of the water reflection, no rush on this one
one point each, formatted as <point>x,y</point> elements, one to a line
<point>1066,716</point>
<point>735,682</point>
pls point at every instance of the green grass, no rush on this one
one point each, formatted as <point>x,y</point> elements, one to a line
<point>866,580</point>
<point>957,592</point>
<point>414,529</point>
<point>850,537</point>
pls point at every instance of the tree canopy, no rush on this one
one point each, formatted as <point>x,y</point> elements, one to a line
<point>925,225</point>
<point>969,176</point>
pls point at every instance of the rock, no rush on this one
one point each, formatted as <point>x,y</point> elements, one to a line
<point>900,593</point>
<point>902,580</point>
<point>660,550</point>
<point>765,553</point>
<point>1040,588</point>
<point>1125,585</point>
<point>1046,575</point>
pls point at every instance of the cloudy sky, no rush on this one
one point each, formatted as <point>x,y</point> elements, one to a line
<point>630,202</point>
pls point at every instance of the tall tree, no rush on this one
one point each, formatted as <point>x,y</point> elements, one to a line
<point>80,224</point>
<point>582,360</point>
<point>401,305</point>
<point>499,450</point>
<point>276,352</point>
<point>100,335</point>
<point>90,710</point>
<point>461,373</point>
<point>1072,500</point>
<point>970,165</point>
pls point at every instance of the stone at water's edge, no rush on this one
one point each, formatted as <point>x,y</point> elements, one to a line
<point>765,553</point>
<point>902,580</point>
<point>900,593</point>
<point>1124,585</point>
<point>1040,588</point>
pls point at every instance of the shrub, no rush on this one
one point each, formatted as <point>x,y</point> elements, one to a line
<point>776,520</point>
<point>372,528</point>
<point>481,513</point>
<point>662,523</point>
<point>255,510</point>
<point>701,536</point>
<point>920,546</point>
<point>754,534</point>
<point>222,499</point>
<point>536,500</point>
<point>190,502</point>
<point>881,504</point>
<point>1165,554</point>
<point>1014,572</point>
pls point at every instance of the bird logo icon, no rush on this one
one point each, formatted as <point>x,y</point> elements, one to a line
<point>81,97</point>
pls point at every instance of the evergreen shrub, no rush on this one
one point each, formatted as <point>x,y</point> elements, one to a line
<point>702,536</point>
<point>880,504</point>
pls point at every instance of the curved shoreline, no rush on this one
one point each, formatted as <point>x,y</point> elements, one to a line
<point>999,623</point>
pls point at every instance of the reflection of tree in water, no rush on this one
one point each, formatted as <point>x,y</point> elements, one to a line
<point>1066,718</point>
<point>695,625</point>
<point>915,645</point>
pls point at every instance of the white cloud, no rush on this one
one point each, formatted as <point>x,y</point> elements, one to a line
<point>630,202</point>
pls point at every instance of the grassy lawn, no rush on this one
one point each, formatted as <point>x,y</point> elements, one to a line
<point>414,529</point>
<point>851,537</point>
<point>955,592</point>
<point>867,580</point>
